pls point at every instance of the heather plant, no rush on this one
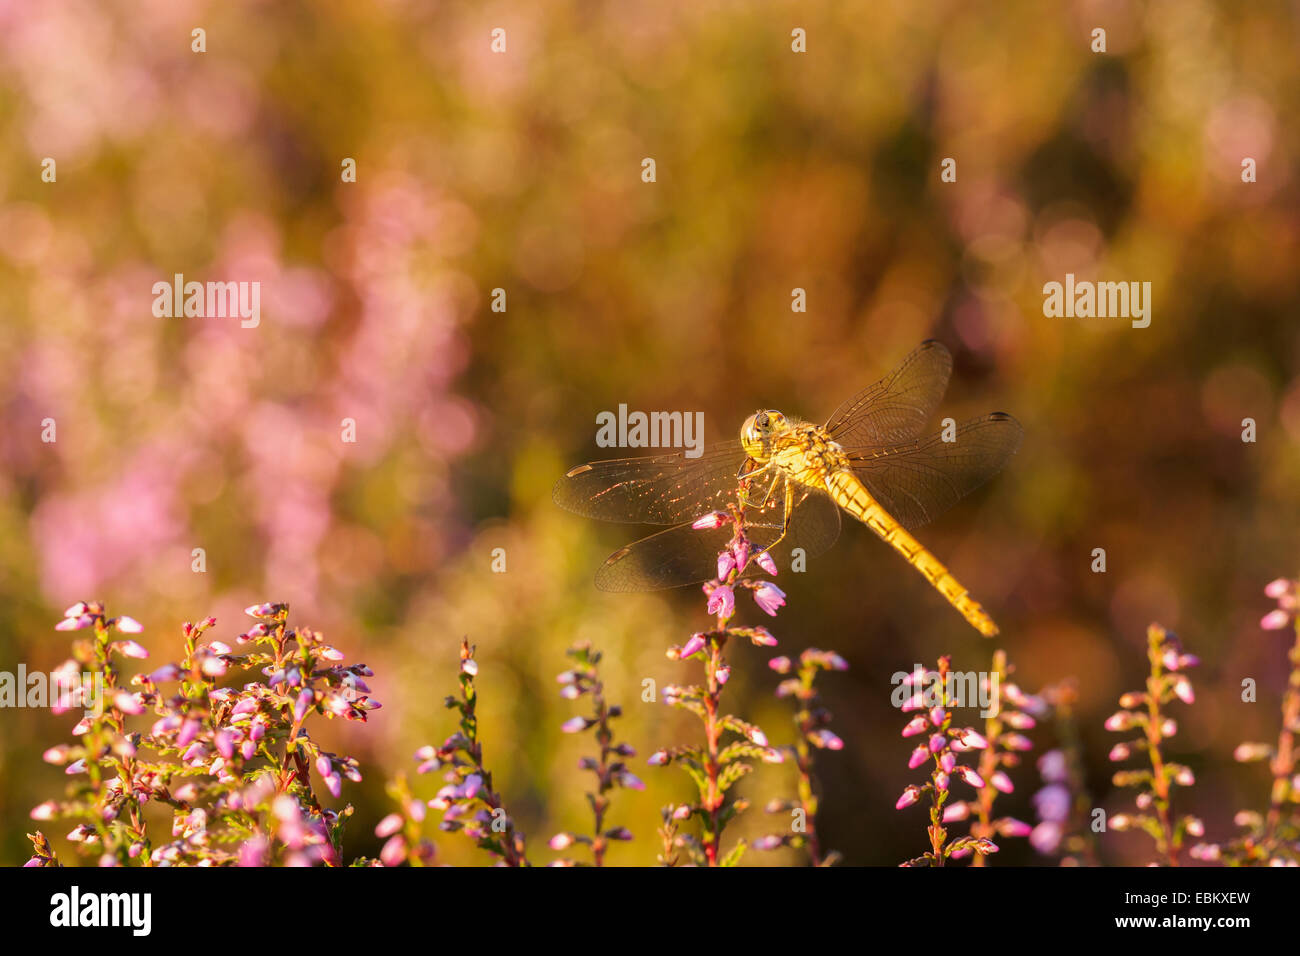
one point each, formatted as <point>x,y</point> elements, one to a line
<point>1011,712</point>
<point>943,742</point>
<point>811,720</point>
<point>1272,838</point>
<point>233,761</point>
<point>715,767</point>
<point>609,765</point>
<point>468,801</point>
<point>1146,712</point>
<point>1063,804</point>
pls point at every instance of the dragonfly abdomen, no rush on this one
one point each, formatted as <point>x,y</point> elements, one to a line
<point>851,495</point>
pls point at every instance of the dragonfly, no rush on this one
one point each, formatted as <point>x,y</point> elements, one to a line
<point>791,479</point>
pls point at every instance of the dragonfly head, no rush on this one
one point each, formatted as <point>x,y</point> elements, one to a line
<point>757,433</point>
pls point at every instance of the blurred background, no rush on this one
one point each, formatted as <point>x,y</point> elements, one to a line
<point>522,171</point>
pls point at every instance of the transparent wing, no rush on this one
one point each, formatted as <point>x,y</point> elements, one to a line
<point>657,489</point>
<point>917,481</point>
<point>897,407</point>
<point>686,555</point>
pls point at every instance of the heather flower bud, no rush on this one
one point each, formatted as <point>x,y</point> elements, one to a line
<point>714,519</point>
<point>909,797</point>
<point>917,725</point>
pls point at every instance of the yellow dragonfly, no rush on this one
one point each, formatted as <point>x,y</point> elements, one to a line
<point>791,479</point>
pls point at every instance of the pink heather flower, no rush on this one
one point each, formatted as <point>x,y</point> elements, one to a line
<point>740,550</point>
<point>75,623</point>
<point>469,666</point>
<point>127,625</point>
<point>683,812</point>
<point>471,787</point>
<point>1184,777</point>
<point>836,662</point>
<point>225,744</point>
<point>1053,802</point>
<point>693,646</point>
<point>1120,720</point>
<point>970,777</point>
<point>251,852</point>
<point>1046,837</point>
<point>619,833</point>
<point>1002,782</point>
<point>658,758</point>
<point>937,715</point>
<point>574,725</point>
<point>1011,827</point>
<point>1248,752</point>
<point>937,742</point>
<point>1183,690</point>
<point>303,703</point>
<point>768,842</point>
<point>781,665</point>
<point>919,756</point>
<point>248,749</point>
<point>165,673</point>
<point>1018,720</point>
<point>1272,621</point>
<point>1017,742</point>
<point>1120,752</point>
<point>947,760</point>
<point>128,703</point>
<point>394,851</point>
<point>77,766</point>
<point>973,739</point>
<point>766,563</point>
<point>762,637</point>
<point>827,739</point>
<point>1274,589</point>
<point>956,811</point>
<point>561,841</point>
<point>917,725</point>
<point>909,797</point>
<point>131,649</point>
<point>722,601</point>
<point>941,782</point>
<point>726,564</point>
<point>631,781</point>
<point>714,519</point>
<point>915,702</point>
<point>723,673</point>
<point>44,811</point>
<point>769,597</point>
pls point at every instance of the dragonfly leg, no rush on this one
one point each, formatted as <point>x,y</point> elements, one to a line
<point>785,518</point>
<point>746,477</point>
